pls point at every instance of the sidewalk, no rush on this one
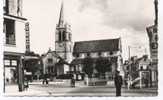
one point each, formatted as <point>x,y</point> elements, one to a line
<point>12,90</point>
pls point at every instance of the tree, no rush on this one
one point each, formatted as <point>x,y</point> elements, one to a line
<point>88,66</point>
<point>102,66</point>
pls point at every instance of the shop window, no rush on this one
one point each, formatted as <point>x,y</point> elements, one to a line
<point>9,30</point>
<point>14,63</point>
<point>7,62</point>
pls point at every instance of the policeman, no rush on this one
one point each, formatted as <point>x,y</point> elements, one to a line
<point>118,83</point>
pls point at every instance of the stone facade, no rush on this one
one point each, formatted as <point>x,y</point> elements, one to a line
<point>63,40</point>
<point>101,48</point>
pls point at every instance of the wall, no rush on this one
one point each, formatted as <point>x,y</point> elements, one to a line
<point>20,38</point>
<point>45,61</point>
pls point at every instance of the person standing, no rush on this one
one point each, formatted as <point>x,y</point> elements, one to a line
<point>118,83</point>
<point>26,85</point>
<point>72,81</point>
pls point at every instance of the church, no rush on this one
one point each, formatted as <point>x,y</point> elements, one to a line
<point>63,49</point>
<point>73,54</point>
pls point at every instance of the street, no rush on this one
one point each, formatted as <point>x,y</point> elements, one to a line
<point>53,89</point>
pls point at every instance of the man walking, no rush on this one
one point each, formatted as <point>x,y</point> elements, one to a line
<point>72,82</point>
<point>118,83</point>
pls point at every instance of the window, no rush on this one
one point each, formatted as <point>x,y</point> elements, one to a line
<point>5,6</point>
<point>7,62</point>
<point>69,36</point>
<point>77,55</point>
<point>60,36</point>
<point>155,30</point>
<point>99,54</point>
<point>50,60</point>
<point>141,67</point>
<point>111,52</point>
<point>64,35</point>
<point>88,54</point>
<point>14,63</point>
<point>9,30</point>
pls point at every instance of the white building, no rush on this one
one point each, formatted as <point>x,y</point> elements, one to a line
<point>14,38</point>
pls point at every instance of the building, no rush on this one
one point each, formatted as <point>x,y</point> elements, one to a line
<point>152,32</point>
<point>137,71</point>
<point>63,40</point>
<point>109,49</point>
<point>71,57</point>
<point>14,39</point>
<point>51,64</point>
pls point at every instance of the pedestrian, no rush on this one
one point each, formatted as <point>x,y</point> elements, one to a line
<point>72,82</point>
<point>26,85</point>
<point>43,79</point>
<point>118,83</point>
<point>146,82</point>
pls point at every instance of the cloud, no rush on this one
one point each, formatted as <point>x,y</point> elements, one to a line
<point>135,14</point>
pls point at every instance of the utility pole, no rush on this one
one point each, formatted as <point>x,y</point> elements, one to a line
<point>156,12</point>
<point>20,75</point>
<point>129,53</point>
<point>4,86</point>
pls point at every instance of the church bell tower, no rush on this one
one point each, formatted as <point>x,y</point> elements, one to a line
<point>63,38</point>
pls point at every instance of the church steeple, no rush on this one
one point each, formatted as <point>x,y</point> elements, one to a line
<point>61,17</point>
<point>63,43</point>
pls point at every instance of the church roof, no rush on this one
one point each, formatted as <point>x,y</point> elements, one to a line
<point>97,46</point>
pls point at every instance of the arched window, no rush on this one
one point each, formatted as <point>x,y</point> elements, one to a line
<point>64,35</point>
<point>69,36</point>
<point>60,36</point>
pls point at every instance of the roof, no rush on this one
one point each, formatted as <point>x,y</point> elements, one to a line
<point>96,46</point>
<point>49,51</point>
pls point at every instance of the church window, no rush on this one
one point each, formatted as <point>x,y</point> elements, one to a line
<point>64,35</point>
<point>69,36</point>
<point>77,55</point>
<point>60,36</point>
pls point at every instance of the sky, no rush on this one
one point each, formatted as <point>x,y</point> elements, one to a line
<point>91,20</point>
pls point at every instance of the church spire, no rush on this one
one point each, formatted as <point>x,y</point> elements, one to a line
<point>61,17</point>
